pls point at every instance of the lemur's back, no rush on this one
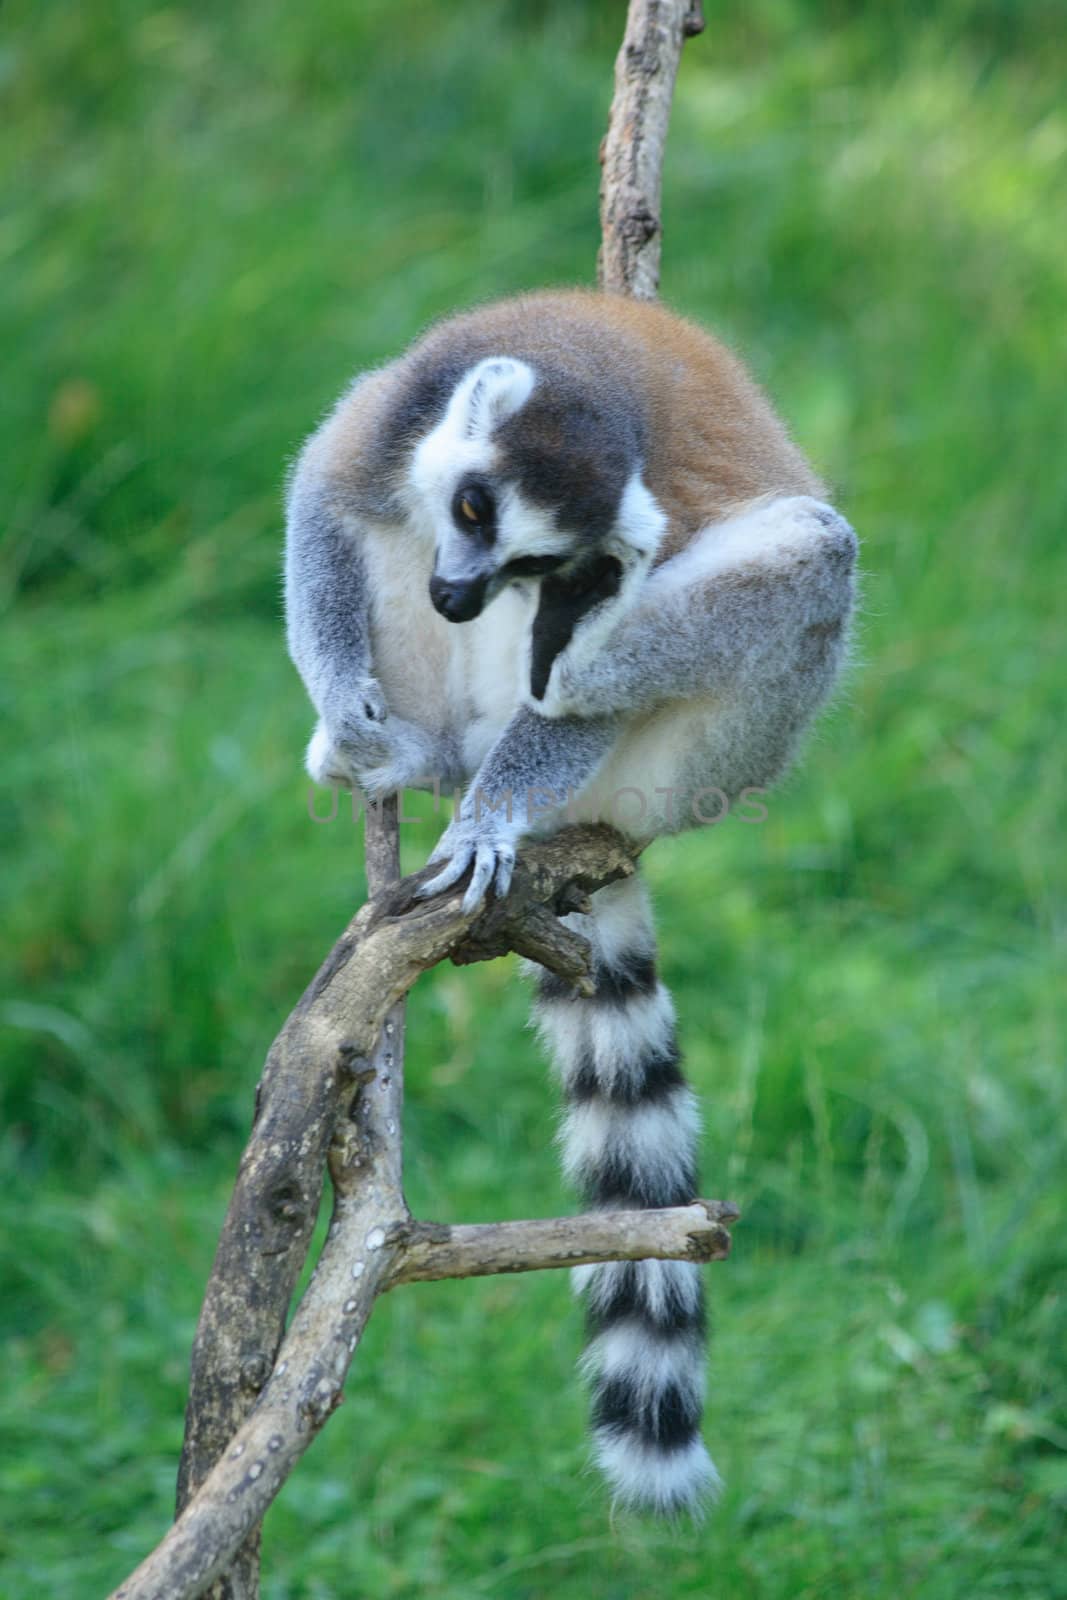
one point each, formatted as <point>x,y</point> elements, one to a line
<point>711,439</point>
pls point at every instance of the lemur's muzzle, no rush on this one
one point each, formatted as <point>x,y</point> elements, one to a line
<point>458,600</point>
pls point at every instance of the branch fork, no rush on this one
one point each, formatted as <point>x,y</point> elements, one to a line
<point>331,1097</point>
<point>331,1094</point>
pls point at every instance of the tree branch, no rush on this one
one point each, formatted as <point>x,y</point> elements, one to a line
<point>433,1251</point>
<point>332,1087</point>
<point>372,1246</point>
<point>631,155</point>
<point>272,1213</point>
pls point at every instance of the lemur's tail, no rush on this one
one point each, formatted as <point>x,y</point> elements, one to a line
<point>628,1138</point>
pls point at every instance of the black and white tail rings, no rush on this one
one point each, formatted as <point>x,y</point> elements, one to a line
<point>629,1138</point>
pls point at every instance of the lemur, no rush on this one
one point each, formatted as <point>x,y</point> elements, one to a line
<point>563,551</point>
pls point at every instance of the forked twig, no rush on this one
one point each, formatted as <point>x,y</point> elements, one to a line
<point>331,1093</point>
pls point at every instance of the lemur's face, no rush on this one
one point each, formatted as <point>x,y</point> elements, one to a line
<point>493,537</point>
<point>487,532</point>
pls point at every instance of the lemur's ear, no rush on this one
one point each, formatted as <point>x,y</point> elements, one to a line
<point>490,393</point>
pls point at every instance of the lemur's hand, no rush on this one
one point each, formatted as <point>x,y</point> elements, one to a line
<point>486,841</point>
<point>363,747</point>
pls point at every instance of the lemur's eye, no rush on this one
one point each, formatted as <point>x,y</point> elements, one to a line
<point>472,508</point>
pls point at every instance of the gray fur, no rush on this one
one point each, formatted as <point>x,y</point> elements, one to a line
<point>327,600</point>
<point>328,631</point>
<point>764,640</point>
<point>767,629</point>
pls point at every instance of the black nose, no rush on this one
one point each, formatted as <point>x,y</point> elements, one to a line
<point>457,601</point>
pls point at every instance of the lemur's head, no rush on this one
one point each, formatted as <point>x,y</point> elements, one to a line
<point>528,472</point>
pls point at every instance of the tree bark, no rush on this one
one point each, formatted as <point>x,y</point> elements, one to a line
<point>341,1047</point>
<point>631,155</point>
<point>331,1092</point>
<point>269,1222</point>
<point>683,1233</point>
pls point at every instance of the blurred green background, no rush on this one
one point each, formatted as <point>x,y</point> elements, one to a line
<point>213,217</point>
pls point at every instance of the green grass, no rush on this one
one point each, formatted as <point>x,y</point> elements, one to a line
<point>213,217</point>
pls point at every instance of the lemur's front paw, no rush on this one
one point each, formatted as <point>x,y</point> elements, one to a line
<point>408,765</point>
<point>325,763</point>
<point>363,747</point>
<point>344,753</point>
<point>486,843</point>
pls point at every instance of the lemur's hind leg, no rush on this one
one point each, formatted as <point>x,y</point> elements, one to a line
<point>755,610</point>
<point>629,1140</point>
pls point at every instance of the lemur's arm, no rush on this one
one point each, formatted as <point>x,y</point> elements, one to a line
<point>755,612</point>
<point>327,607</point>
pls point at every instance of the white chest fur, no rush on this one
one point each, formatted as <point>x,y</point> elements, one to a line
<point>492,654</point>
<point>463,678</point>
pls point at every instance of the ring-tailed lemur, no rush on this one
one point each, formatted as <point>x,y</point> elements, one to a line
<point>656,600</point>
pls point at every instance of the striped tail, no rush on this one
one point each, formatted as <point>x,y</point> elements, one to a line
<point>629,1138</point>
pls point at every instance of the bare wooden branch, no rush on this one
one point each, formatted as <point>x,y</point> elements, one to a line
<point>434,1251</point>
<point>271,1214</point>
<point>269,1222</point>
<point>631,154</point>
<point>332,1087</point>
<point>373,1246</point>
